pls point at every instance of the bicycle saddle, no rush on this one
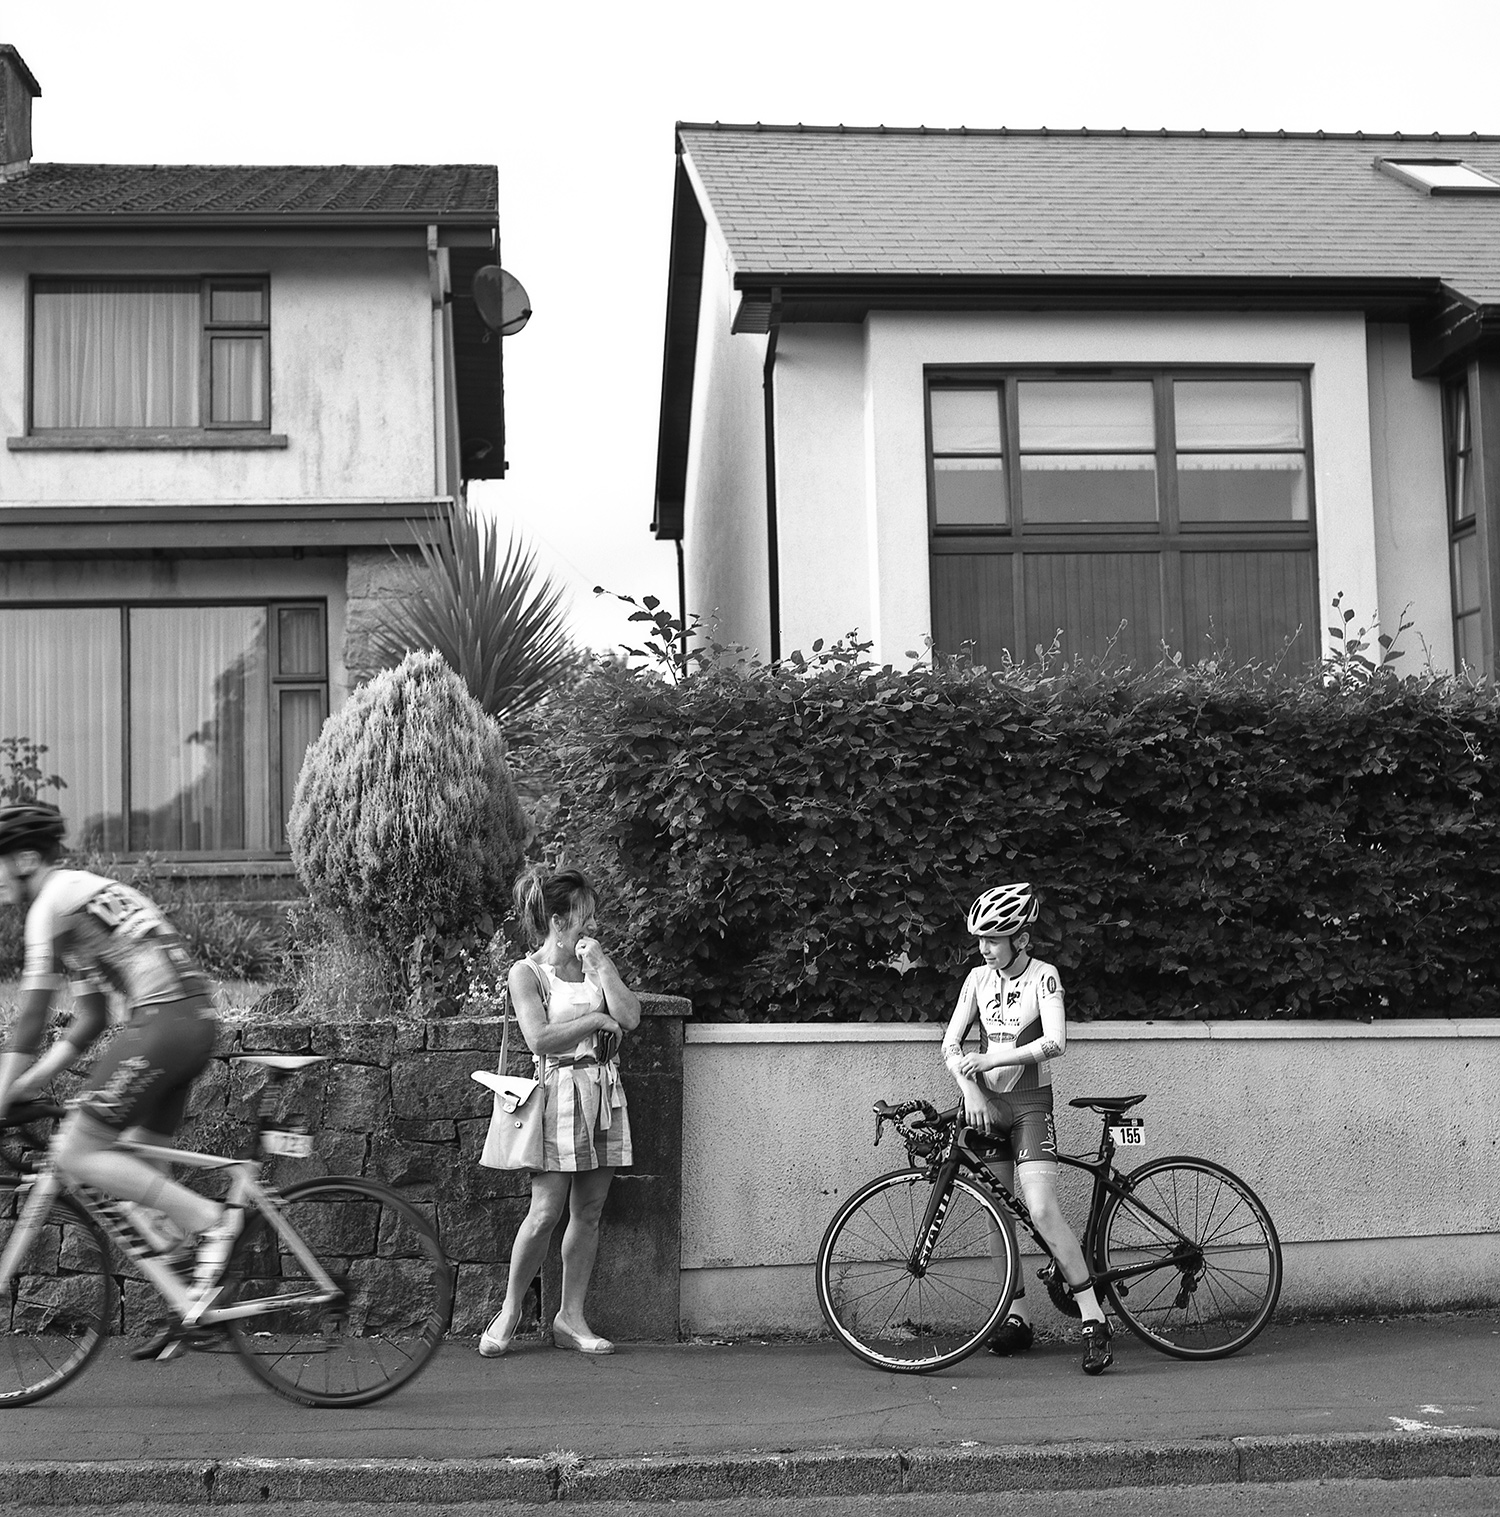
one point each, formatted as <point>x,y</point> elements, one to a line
<point>283,1061</point>
<point>1114,1104</point>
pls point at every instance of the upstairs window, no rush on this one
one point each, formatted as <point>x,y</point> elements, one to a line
<point>162,355</point>
<point>1463,536</point>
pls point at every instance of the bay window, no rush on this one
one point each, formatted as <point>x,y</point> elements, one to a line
<point>177,728</point>
<point>150,355</point>
<point>1124,507</point>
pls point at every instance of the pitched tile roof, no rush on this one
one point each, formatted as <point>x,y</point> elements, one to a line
<point>79,191</point>
<point>832,201</point>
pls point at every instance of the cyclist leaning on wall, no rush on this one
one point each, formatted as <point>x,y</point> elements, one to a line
<point>1018,1000</point>
<point>105,934</point>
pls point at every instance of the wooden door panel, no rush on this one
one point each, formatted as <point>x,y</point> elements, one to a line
<point>1251,604</point>
<point>1087,596</point>
<point>973,601</point>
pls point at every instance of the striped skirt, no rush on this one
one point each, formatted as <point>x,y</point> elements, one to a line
<point>585,1122</point>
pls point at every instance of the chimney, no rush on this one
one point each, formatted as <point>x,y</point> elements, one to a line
<point>17,86</point>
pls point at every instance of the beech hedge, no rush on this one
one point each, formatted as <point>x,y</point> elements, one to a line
<point>801,842</point>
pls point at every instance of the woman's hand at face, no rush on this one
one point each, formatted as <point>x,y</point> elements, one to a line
<point>591,955</point>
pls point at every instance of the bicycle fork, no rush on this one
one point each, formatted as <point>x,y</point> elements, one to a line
<point>932,1222</point>
<point>44,1189</point>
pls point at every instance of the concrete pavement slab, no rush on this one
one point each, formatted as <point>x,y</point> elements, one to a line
<point>683,1421</point>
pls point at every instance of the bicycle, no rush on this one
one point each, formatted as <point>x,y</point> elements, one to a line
<point>337,1292</point>
<point>919,1266</point>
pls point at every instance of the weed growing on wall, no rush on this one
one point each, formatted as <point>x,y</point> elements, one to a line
<point>406,828</point>
<point>802,841</point>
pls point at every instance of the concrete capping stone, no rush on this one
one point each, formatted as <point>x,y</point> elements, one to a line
<point>1394,1030</point>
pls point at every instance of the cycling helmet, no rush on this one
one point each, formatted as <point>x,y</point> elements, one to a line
<point>1002,911</point>
<point>30,824</point>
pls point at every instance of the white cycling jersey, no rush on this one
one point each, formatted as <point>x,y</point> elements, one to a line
<point>102,933</point>
<point>1025,1012</point>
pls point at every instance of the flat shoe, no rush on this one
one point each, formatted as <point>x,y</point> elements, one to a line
<point>491,1344</point>
<point>587,1344</point>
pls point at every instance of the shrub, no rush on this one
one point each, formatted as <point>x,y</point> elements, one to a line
<point>405,826</point>
<point>498,624</point>
<point>802,841</point>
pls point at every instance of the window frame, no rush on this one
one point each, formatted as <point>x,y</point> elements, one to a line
<point>1168,541</point>
<point>1168,529</point>
<point>207,431</point>
<point>276,684</point>
<point>1460,528</point>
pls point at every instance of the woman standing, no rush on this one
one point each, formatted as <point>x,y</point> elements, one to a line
<point>572,1007</point>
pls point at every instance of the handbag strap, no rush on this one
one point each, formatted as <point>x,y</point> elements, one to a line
<point>510,1011</point>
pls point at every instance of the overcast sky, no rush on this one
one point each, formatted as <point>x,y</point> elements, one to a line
<point>576,104</point>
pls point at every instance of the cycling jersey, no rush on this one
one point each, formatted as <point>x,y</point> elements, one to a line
<point>1025,1012</point>
<point>102,933</point>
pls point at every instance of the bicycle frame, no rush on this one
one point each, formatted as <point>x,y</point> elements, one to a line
<point>245,1190</point>
<point>1107,1181</point>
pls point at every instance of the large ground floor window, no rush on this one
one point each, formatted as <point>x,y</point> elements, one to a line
<point>175,728</point>
<point>1126,508</point>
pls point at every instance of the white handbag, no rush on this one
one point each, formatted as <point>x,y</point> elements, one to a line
<point>514,1140</point>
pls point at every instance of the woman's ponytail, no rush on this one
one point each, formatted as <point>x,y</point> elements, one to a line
<point>540,896</point>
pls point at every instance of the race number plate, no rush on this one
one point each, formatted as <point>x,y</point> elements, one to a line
<point>1128,1132</point>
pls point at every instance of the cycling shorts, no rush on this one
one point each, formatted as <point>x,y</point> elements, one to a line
<point>143,1077</point>
<point>1032,1135</point>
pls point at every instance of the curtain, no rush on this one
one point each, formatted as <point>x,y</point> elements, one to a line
<point>115,353</point>
<point>60,685</point>
<point>199,709</point>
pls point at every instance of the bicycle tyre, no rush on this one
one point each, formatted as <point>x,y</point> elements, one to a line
<point>398,1294</point>
<point>54,1319</point>
<point>888,1316</point>
<point>1226,1294</point>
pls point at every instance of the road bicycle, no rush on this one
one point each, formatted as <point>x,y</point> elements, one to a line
<point>337,1292</point>
<point>919,1267</point>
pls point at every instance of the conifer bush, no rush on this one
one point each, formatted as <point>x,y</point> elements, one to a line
<point>406,828</point>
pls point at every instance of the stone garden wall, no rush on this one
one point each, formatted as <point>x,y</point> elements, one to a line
<point>395,1102</point>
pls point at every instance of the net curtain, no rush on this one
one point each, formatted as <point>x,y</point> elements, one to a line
<point>60,685</point>
<point>115,353</point>
<point>199,765</point>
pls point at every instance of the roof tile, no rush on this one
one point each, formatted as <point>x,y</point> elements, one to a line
<point>93,189</point>
<point>1122,204</point>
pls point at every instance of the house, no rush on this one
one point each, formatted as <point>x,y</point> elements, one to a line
<point>996,387</point>
<point>227,394</point>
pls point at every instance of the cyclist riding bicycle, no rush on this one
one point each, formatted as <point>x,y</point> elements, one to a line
<point>1018,1001</point>
<point>107,935</point>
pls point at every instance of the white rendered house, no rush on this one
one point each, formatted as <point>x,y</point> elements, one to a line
<point>226,394</point>
<point>990,387</point>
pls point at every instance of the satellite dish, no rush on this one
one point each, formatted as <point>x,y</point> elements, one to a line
<point>502,300</point>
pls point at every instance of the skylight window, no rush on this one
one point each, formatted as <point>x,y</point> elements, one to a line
<point>1439,176</point>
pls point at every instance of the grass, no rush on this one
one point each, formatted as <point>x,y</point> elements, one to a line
<point>229,995</point>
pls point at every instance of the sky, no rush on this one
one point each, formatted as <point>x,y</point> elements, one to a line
<point>576,105</point>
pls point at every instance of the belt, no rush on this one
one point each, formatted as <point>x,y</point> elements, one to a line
<point>573,1060</point>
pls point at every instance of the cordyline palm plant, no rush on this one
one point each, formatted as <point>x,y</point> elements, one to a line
<point>494,621</point>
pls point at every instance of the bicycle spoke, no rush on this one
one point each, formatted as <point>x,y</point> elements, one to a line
<point>899,1317</point>
<point>395,1292</point>
<point>1216,1262</point>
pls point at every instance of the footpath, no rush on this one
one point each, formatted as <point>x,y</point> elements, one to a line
<point>1402,1398</point>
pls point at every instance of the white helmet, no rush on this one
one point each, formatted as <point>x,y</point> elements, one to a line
<point>1003,911</point>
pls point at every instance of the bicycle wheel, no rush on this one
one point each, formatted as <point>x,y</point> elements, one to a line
<point>57,1310</point>
<point>397,1292</point>
<point>890,1315</point>
<point>1206,1252</point>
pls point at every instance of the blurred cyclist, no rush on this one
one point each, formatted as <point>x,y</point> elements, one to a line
<point>105,934</point>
